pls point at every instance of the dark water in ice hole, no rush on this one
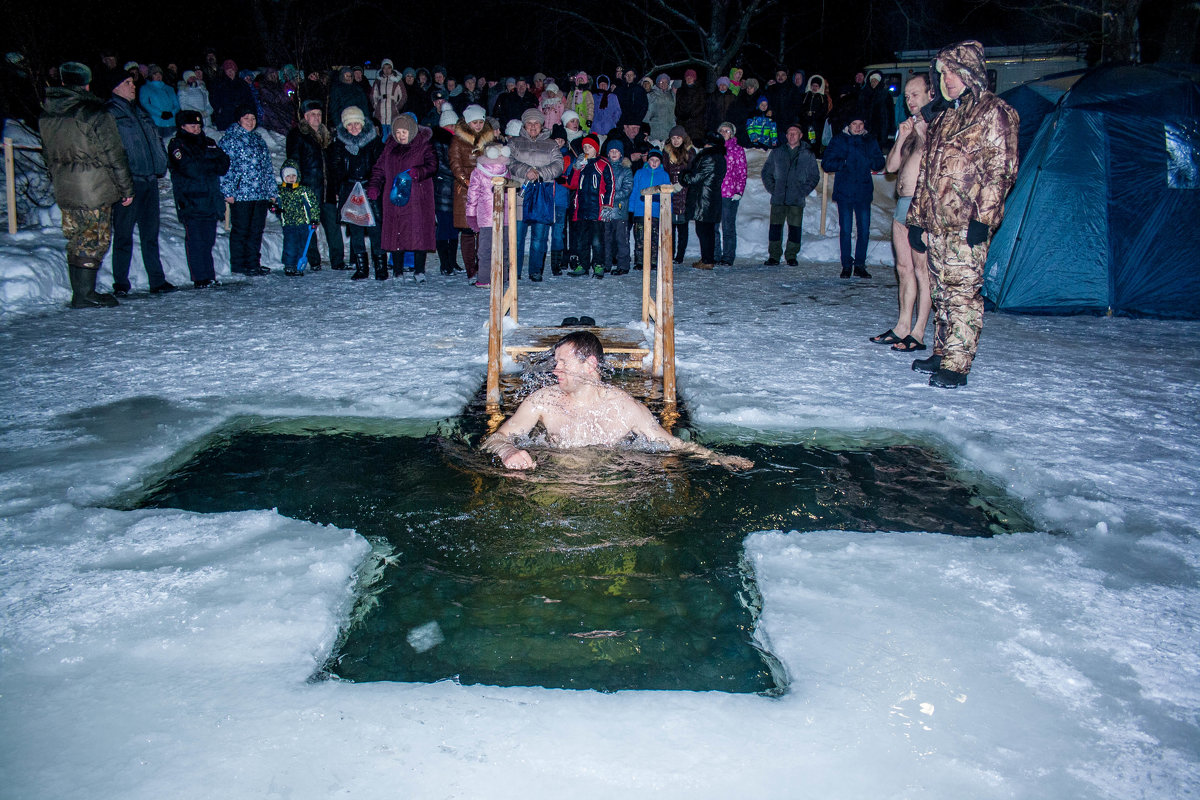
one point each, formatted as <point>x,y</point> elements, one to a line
<point>610,570</point>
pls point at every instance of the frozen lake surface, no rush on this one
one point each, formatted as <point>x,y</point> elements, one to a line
<point>163,653</point>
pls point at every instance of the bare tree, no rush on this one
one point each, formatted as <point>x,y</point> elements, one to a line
<point>1109,26</point>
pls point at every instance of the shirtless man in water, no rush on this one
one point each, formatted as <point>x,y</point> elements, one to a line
<point>912,268</point>
<point>582,411</point>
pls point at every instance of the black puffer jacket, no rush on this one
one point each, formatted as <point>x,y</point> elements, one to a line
<point>196,163</point>
<point>443,181</point>
<point>350,159</point>
<point>309,149</point>
<point>703,182</point>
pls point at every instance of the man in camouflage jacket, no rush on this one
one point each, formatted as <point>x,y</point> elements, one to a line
<point>90,172</point>
<point>969,166</point>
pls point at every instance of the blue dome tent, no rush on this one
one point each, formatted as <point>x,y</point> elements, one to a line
<point>1105,215</point>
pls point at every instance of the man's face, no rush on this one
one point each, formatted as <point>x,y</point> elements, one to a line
<point>793,136</point>
<point>916,95</point>
<point>110,62</point>
<point>570,370</point>
<point>313,118</point>
<point>631,130</point>
<point>781,77</point>
<point>387,70</point>
<point>347,77</point>
<point>954,84</point>
<point>533,128</point>
<point>798,79</point>
<point>630,76</point>
<point>126,89</point>
<point>857,127</point>
<point>358,73</point>
<point>469,83</point>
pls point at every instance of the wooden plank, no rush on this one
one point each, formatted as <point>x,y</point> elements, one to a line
<point>10,185</point>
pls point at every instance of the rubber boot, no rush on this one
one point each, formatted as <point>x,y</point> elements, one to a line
<point>360,267</point>
<point>83,289</point>
<point>381,268</point>
<point>556,262</point>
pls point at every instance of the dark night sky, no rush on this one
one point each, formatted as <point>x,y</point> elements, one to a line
<point>855,32</point>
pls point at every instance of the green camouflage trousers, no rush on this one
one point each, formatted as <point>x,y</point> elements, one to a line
<point>89,234</point>
<point>956,270</point>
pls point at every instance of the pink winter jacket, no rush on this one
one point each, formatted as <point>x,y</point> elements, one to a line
<point>735,170</point>
<point>479,194</point>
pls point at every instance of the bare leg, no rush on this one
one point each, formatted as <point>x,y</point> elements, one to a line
<point>921,268</point>
<point>908,283</point>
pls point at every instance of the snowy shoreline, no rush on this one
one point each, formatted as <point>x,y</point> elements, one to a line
<point>166,653</point>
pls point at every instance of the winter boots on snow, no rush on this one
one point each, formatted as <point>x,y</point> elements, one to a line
<point>83,287</point>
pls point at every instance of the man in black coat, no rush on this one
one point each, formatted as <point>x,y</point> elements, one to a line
<point>196,164</point>
<point>307,144</point>
<point>147,163</point>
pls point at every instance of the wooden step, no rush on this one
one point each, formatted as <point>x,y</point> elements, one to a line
<point>623,347</point>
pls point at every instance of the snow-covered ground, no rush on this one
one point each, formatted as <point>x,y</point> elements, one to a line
<point>160,653</point>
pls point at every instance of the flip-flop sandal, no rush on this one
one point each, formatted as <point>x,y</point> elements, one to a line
<point>907,345</point>
<point>887,337</point>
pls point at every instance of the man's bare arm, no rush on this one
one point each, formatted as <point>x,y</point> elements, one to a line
<point>521,423</point>
<point>645,424</point>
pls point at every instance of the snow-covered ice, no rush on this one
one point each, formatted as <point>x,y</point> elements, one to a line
<point>162,653</point>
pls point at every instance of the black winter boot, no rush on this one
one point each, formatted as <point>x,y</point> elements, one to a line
<point>381,268</point>
<point>927,365</point>
<point>361,271</point>
<point>83,289</point>
<point>556,262</point>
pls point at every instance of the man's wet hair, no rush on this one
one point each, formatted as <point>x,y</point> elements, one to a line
<point>584,343</point>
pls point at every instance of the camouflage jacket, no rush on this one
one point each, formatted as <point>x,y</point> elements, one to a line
<point>970,160</point>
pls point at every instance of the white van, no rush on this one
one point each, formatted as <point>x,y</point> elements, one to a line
<point>1006,67</point>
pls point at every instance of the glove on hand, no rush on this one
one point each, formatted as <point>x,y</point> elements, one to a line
<point>914,238</point>
<point>977,233</point>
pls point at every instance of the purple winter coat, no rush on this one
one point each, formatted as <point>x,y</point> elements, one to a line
<point>408,227</point>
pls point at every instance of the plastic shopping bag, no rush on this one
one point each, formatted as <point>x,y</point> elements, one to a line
<point>357,210</point>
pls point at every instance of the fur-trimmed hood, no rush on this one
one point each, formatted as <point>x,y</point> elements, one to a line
<point>354,143</point>
<point>475,141</point>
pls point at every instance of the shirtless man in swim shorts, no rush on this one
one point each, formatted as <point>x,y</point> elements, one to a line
<point>912,268</point>
<point>582,411</point>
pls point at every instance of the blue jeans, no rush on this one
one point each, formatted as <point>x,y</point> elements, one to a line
<point>558,233</point>
<point>726,246</point>
<point>537,246</point>
<point>854,212</point>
